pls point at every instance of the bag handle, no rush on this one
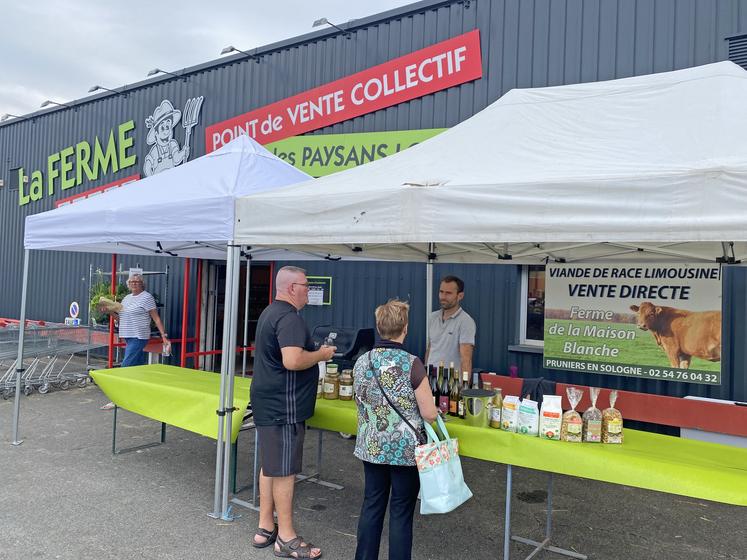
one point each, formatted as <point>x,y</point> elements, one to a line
<point>375,371</point>
<point>432,433</point>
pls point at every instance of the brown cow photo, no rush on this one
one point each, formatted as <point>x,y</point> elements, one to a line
<point>682,334</point>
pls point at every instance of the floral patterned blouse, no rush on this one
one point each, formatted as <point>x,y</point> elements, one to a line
<point>383,437</point>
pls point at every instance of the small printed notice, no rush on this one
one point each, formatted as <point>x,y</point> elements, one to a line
<point>320,290</point>
<point>316,295</point>
<point>646,321</point>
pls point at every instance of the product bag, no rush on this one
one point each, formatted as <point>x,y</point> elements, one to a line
<point>442,486</point>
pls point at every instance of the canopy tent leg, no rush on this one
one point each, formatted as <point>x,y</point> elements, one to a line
<point>228,348</point>
<point>539,546</point>
<point>229,369</point>
<point>185,313</point>
<point>19,361</point>
<point>113,284</point>
<point>247,286</point>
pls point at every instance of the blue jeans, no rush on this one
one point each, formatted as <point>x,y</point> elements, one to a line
<point>404,484</point>
<point>134,355</point>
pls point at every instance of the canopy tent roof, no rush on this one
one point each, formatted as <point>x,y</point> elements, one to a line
<point>187,211</point>
<point>647,167</point>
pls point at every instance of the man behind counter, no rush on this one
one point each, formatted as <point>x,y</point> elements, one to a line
<point>451,331</point>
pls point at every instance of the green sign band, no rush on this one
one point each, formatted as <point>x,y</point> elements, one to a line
<point>320,155</point>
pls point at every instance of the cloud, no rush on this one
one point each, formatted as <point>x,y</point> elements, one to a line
<point>57,49</point>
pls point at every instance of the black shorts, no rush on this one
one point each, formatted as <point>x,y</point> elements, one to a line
<point>281,448</point>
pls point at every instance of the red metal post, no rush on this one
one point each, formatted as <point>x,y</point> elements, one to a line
<point>110,360</point>
<point>196,356</point>
<point>185,313</point>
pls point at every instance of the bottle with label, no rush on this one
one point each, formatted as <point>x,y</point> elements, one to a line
<point>551,417</point>
<point>434,384</point>
<point>346,385</point>
<point>320,381</point>
<point>497,407</point>
<point>475,379</point>
<point>455,393</point>
<point>461,408</point>
<point>443,396</point>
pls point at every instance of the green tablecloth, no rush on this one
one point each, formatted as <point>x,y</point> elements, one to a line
<point>652,461</point>
<point>185,398</point>
<point>188,399</point>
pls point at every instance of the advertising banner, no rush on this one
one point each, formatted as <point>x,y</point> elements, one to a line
<point>440,66</point>
<point>646,321</point>
<point>324,154</point>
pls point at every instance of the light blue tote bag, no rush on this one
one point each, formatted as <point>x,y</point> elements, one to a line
<point>442,486</point>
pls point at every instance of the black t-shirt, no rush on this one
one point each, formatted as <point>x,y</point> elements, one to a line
<point>281,396</point>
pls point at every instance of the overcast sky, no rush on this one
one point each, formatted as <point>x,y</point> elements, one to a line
<point>57,49</point>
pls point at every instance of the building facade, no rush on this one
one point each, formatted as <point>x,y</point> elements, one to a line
<point>101,141</point>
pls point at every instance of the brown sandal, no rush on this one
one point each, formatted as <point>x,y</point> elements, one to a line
<point>269,537</point>
<point>295,549</point>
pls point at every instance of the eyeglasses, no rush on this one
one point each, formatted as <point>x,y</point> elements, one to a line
<point>306,285</point>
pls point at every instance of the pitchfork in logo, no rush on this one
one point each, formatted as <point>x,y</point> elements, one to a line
<point>166,152</point>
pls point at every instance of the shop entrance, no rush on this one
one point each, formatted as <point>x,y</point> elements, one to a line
<point>214,296</point>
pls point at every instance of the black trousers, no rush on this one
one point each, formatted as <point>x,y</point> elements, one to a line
<point>404,485</point>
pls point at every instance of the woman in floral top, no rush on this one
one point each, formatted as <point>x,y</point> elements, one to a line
<point>385,443</point>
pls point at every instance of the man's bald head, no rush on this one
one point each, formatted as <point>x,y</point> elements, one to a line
<point>286,276</point>
<point>291,286</point>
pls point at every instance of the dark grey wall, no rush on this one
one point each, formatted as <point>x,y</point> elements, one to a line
<point>491,298</point>
<point>525,43</point>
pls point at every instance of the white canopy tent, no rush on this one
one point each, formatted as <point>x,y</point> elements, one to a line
<point>646,167</point>
<point>649,167</point>
<point>187,211</point>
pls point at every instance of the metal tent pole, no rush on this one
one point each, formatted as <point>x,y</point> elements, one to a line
<point>429,288</point>
<point>226,351</point>
<point>246,313</point>
<point>231,310</point>
<point>19,361</point>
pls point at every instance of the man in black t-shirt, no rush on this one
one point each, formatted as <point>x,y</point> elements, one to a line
<point>283,396</point>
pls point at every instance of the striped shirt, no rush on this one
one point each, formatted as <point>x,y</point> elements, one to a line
<point>134,319</point>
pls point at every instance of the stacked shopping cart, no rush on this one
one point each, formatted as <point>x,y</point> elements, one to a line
<point>54,356</point>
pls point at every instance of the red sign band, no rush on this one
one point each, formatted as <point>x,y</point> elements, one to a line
<point>428,70</point>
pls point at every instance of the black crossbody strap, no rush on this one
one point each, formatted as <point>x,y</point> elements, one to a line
<point>420,437</point>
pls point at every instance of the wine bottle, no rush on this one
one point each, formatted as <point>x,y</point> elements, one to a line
<point>454,394</point>
<point>443,388</point>
<point>433,380</point>
<point>465,385</point>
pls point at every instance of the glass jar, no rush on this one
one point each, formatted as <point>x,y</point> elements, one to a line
<point>346,385</point>
<point>331,385</point>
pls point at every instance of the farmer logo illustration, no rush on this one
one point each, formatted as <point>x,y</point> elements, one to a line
<point>165,152</point>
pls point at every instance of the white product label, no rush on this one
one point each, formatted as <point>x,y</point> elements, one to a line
<point>346,390</point>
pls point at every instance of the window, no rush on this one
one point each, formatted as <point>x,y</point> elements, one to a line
<point>533,305</point>
<point>13,179</point>
<point>738,50</point>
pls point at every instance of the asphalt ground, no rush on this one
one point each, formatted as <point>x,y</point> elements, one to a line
<point>64,495</point>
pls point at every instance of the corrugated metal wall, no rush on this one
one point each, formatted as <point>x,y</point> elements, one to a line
<point>525,43</point>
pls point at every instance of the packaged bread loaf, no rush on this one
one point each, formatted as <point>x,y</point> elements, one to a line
<point>592,417</point>
<point>570,429</point>
<point>612,422</point>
